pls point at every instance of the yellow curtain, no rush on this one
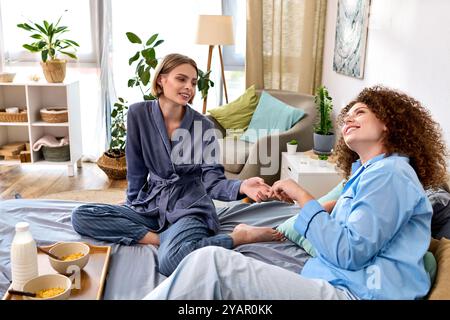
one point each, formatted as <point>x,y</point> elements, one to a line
<point>285,41</point>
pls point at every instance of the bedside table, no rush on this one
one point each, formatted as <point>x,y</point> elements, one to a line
<point>317,178</point>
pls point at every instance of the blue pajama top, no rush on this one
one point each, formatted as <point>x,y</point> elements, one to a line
<point>374,241</point>
<point>165,189</point>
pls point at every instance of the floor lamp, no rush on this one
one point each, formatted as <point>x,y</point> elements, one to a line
<point>213,31</point>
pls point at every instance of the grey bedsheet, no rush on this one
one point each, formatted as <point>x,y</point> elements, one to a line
<point>133,269</point>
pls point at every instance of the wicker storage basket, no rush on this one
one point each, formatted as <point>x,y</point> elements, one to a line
<point>7,77</point>
<point>22,116</point>
<point>56,154</point>
<point>54,115</point>
<point>115,168</point>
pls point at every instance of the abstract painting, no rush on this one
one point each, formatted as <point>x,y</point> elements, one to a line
<point>351,35</point>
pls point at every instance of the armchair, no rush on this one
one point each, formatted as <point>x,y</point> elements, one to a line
<point>243,160</point>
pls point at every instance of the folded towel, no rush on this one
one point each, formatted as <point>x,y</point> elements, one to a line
<point>50,141</point>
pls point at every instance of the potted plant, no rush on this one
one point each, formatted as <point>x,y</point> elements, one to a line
<point>323,159</point>
<point>323,130</point>
<point>292,146</point>
<point>49,44</point>
<point>113,161</point>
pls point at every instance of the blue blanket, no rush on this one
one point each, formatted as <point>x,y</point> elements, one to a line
<point>50,222</point>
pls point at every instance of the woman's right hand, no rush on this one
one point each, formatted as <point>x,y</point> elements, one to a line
<point>286,190</point>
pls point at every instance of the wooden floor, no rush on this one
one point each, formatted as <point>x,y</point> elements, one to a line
<point>34,181</point>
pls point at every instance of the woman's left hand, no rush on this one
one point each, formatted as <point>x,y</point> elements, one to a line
<point>256,189</point>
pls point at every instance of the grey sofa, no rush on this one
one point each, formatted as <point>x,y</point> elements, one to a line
<point>243,160</point>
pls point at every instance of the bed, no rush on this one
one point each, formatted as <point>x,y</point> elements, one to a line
<point>133,271</point>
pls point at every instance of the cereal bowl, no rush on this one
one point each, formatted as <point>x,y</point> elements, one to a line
<point>49,287</point>
<point>71,254</point>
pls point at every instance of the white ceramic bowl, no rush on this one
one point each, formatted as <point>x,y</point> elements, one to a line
<point>46,282</point>
<point>64,249</point>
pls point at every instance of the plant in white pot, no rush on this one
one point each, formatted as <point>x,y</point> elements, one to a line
<point>50,45</point>
<point>323,160</point>
<point>323,130</point>
<point>292,146</point>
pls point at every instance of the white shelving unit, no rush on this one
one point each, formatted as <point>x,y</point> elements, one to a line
<point>33,97</point>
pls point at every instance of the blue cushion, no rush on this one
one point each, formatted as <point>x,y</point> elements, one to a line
<point>271,116</point>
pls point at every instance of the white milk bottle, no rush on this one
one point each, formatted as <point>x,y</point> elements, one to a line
<point>24,265</point>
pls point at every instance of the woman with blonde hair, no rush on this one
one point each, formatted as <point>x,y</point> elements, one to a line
<point>372,244</point>
<point>173,174</point>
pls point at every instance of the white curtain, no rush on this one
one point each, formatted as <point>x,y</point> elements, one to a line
<point>285,44</point>
<point>101,11</point>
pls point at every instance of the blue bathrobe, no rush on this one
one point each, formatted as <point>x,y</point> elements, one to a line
<point>171,184</point>
<point>157,187</point>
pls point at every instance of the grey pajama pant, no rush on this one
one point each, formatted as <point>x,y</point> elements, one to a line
<point>120,224</point>
<point>215,273</point>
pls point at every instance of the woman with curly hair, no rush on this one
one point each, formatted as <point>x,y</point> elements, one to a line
<point>372,244</point>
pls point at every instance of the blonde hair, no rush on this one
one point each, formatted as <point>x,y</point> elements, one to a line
<point>170,62</point>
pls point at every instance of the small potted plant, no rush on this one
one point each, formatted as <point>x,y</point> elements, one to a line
<point>323,130</point>
<point>48,43</point>
<point>113,161</point>
<point>292,146</point>
<point>323,159</point>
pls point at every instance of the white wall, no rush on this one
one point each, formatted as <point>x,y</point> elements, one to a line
<point>408,48</point>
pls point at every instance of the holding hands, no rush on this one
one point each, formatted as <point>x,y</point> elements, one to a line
<point>256,189</point>
<point>284,190</point>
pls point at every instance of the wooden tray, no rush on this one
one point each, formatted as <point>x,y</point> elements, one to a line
<point>93,274</point>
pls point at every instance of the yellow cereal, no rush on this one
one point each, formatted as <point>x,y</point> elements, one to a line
<point>73,256</point>
<point>48,293</point>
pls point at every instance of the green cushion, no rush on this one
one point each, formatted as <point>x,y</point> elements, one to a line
<point>271,115</point>
<point>237,114</point>
<point>430,265</point>
<point>287,227</point>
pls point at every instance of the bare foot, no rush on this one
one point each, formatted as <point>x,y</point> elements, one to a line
<point>150,238</point>
<point>244,233</point>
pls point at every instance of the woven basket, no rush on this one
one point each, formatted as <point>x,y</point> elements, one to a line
<point>56,154</point>
<point>54,115</point>
<point>115,168</point>
<point>7,77</point>
<point>22,116</point>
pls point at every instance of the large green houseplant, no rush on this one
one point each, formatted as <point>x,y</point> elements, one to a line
<point>48,42</point>
<point>113,162</point>
<point>323,129</point>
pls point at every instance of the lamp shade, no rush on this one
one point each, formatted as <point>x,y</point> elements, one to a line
<point>215,30</point>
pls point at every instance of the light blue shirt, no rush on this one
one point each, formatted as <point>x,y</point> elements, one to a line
<point>374,241</point>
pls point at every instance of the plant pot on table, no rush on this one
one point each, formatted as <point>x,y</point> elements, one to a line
<point>54,70</point>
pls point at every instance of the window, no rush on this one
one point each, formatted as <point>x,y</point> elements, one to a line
<point>24,63</point>
<point>77,18</point>
<point>176,23</point>
<point>234,56</point>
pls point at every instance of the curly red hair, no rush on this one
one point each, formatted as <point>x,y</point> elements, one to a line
<point>411,131</point>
